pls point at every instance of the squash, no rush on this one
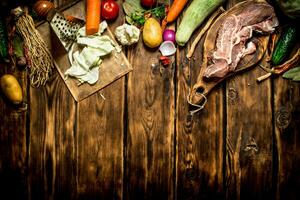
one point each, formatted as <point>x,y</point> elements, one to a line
<point>193,18</point>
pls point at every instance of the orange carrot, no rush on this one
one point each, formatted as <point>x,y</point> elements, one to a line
<point>93,8</point>
<point>174,11</point>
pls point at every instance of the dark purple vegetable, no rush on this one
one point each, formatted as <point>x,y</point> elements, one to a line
<point>169,35</point>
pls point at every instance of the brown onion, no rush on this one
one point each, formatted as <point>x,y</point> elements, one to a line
<point>42,8</point>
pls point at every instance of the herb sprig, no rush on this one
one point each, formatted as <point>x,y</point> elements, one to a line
<point>136,14</point>
<point>140,17</point>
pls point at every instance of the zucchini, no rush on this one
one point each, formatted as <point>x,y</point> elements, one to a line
<point>193,17</point>
<point>3,40</point>
<point>285,45</point>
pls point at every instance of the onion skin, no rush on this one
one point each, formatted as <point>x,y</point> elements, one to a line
<point>42,8</point>
<point>169,35</point>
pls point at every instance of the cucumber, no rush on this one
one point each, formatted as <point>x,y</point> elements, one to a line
<point>3,40</point>
<point>193,17</point>
<point>284,46</point>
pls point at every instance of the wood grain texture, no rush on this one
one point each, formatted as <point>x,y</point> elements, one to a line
<point>199,155</point>
<point>100,133</point>
<point>52,158</point>
<point>140,143</point>
<point>150,134</point>
<point>248,136</point>
<point>100,144</point>
<point>287,140</point>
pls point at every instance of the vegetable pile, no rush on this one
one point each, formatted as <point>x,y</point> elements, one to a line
<point>151,19</point>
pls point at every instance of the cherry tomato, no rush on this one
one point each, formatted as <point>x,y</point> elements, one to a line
<point>109,9</point>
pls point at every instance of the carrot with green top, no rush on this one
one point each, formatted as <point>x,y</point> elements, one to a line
<point>92,16</point>
<point>174,11</point>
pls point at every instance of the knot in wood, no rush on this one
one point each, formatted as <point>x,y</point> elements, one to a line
<point>232,95</point>
<point>186,71</point>
<point>188,127</point>
<point>190,174</point>
<point>251,145</point>
<point>283,117</point>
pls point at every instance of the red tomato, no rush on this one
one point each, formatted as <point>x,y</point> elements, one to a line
<point>148,3</point>
<point>109,9</point>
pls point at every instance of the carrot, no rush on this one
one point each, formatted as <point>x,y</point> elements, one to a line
<point>174,11</point>
<point>92,16</point>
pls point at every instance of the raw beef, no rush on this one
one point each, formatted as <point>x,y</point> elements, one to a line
<point>233,40</point>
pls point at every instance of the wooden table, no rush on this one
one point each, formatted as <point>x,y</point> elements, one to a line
<point>140,143</point>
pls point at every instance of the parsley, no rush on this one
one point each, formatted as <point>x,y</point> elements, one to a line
<point>139,17</point>
<point>159,12</point>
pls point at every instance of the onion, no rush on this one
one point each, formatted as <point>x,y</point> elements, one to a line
<point>42,8</point>
<point>169,35</point>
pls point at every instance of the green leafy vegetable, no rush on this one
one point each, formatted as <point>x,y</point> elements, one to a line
<point>135,13</point>
<point>290,8</point>
<point>132,6</point>
<point>18,46</point>
<point>138,18</point>
<point>3,40</point>
<point>293,74</point>
<point>159,12</point>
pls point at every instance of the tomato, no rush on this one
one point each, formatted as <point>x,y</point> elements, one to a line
<point>109,9</point>
<point>148,3</point>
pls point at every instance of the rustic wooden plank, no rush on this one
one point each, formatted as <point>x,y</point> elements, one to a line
<point>13,138</point>
<point>199,159</point>
<point>150,133</point>
<point>100,133</point>
<point>52,158</point>
<point>287,140</point>
<point>100,144</point>
<point>248,136</point>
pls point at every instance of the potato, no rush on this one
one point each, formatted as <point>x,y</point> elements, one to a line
<point>11,88</point>
<point>152,33</point>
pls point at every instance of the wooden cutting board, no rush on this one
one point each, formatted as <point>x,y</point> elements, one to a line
<point>203,87</point>
<point>112,68</point>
